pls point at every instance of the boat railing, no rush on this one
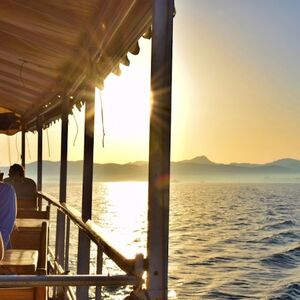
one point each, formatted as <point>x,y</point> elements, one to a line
<point>67,281</point>
<point>130,266</point>
<point>59,278</point>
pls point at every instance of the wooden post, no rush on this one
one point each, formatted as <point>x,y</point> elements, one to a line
<point>159,152</point>
<point>83,264</point>
<point>60,227</point>
<point>23,148</point>
<point>40,153</point>
<point>98,295</point>
<point>67,252</point>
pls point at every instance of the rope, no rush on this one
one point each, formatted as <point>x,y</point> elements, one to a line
<point>76,129</point>
<point>18,152</point>
<point>9,154</point>
<point>49,153</point>
<point>27,142</point>
<point>102,119</point>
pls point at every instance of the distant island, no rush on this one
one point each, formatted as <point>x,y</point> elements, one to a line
<point>197,169</point>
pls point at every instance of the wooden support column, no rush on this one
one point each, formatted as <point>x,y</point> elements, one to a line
<point>40,153</point>
<point>83,264</point>
<point>23,147</point>
<point>159,152</point>
<point>60,227</point>
<point>98,295</point>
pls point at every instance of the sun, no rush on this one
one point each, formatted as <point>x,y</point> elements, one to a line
<point>126,106</point>
<point>125,103</point>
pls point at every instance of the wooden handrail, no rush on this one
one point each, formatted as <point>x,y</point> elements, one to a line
<point>93,232</point>
<point>68,280</point>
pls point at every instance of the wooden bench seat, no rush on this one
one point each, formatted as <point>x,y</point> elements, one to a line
<point>34,214</point>
<point>18,293</point>
<point>27,204</point>
<point>32,234</point>
<point>19,262</point>
<point>24,293</point>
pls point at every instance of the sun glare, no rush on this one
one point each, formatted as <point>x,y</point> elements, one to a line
<point>125,103</point>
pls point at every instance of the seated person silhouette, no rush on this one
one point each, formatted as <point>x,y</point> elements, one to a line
<point>7,214</point>
<point>25,187</point>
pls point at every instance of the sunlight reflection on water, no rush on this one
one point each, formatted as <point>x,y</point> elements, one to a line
<point>121,211</point>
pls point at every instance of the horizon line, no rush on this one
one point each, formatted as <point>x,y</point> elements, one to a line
<point>177,161</point>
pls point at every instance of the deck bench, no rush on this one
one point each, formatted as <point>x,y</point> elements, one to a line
<point>19,262</point>
<point>32,234</point>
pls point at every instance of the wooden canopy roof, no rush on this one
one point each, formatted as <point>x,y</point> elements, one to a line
<point>49,48</point>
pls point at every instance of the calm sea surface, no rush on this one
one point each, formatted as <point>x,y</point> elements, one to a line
<point>227,241</point>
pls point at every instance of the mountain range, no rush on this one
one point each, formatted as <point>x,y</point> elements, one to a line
<point>199,168</point>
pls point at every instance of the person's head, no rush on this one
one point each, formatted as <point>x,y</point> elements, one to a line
<point>16,170</point>
<point>1,176</point>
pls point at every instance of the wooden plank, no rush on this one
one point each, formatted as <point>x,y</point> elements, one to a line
<point>17,293</point>
<point>26,239</point>
<point>33,214</point>
<point>27,203</point>
<point>20,262</point>
<point>23,293</point>
<point>29,224</point>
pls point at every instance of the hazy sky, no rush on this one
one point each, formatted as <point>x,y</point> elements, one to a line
<point>237,71</point>
<point>236,90</point>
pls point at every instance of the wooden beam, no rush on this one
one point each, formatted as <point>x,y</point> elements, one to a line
<point>60,228</point>
<point>83,264</point>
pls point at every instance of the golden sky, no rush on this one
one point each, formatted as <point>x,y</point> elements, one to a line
<point>236,92</point>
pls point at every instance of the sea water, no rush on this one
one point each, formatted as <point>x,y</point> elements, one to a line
<point>227,241</point>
